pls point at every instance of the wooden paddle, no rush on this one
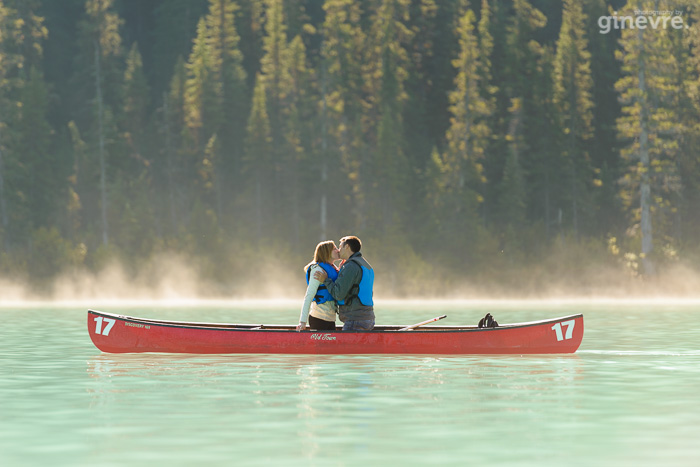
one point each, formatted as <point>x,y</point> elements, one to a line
<point>413,326</point>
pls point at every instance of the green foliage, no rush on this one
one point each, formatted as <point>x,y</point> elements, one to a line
<point>202,109</point>
<point>461,164</point>
<point>175,28</point>
<point>467,141</point>
<point>386,177</point>
<point>572,99</point>
<point>259,151</point>
<point>136,103</point>
<point>51,254</point>
<point>650,125</point>
<point>604,148</point>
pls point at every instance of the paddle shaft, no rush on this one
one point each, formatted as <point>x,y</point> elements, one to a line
<point>413,326</point>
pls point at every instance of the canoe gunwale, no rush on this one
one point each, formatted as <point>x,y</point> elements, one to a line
<point>239,327</point>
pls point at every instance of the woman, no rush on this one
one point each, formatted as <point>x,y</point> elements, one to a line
<point>319,307</point>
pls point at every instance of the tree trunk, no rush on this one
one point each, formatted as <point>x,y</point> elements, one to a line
<point>324,163</point>
<point>258,206</point>
<point>3,206</point>
<point>103,181</point>
<point>169,159</point>
<point>644,188</point>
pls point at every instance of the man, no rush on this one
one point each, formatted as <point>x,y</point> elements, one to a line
<point>353,289</point>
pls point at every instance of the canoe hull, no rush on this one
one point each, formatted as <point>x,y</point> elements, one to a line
<point>123,334</point>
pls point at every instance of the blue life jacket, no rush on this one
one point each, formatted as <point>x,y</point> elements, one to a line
<point>322,294</point>
<point>365,290</point>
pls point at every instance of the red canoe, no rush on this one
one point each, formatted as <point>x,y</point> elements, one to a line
<point>120,334</point>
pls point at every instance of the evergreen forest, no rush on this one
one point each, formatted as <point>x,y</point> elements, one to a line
<point>479,148</point>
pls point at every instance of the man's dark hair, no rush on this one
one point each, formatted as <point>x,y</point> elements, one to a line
<point>354,242</point>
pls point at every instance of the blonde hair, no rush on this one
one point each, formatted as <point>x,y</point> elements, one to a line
<point>323,253</point>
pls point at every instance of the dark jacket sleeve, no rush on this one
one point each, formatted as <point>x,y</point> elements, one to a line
<point>349,275</point>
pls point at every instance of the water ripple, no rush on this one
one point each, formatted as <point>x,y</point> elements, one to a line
<point>628,397</point>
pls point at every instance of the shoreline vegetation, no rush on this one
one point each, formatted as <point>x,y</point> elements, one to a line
<point>480,149</point>
<point>172,278</point>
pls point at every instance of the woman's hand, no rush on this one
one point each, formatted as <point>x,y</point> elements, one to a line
<point>301,327</point>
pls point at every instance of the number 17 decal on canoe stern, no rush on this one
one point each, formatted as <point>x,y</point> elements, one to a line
<point>569,330</point>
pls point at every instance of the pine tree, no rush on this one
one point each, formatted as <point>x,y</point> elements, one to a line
<point>101,52</point>
<point>684,85</point>
<point>487,88</point>
<point>174,168</point>
<point>29,191</point>
<point>204,117</point>
<point>494,31</point>
<point>467,135</point>
<point>689,165</point>
<point>512,199</point>
<point>342,85</point>
<point>258,151</point>
<point>175,28</point>
<point>425,115</point>
<point>522,120</point>
<point>9,62</point>
<point>45,186</point>
<point>572,98</point>
<point>202,91</point>
<point>135,112</point>
<point>431,50</point>
<point>228,72</point>
<point>272,64</point>
<point>387,73</point>
<point>300,135</point>
<point>250,26</point>
<point>604,146</point>
<point>276,82</point>
<point>649,125</point>
<point>30,32</point>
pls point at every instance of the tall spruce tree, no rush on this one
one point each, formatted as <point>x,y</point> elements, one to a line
<point>202,91</point>
<point>494,27</point>
<point>461,164</point>
<point>258,155</point>
<point>227,68</point>
<point>689,165</point>
<point>135,111</point>
<point>250,26</point>
<point>344,101</point>
<point>175,28</point>
<point>276,82</point>
<point>523,113</point>
<point>604,146</point>
<point>7,70</point>
<point>387,72</point>
<point>11,170</point>
<point>101,52</point>
<point>300,134</point>
<point>30,32</point>
<point>649,126</point>
<point>173,163</point>
<point>572,98</point>
<point>203,121</point>
<point>46,178</point>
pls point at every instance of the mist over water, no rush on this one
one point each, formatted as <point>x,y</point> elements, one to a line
<point>174,279</point>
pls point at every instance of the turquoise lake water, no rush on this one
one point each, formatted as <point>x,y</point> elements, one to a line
<point>629,397</point>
